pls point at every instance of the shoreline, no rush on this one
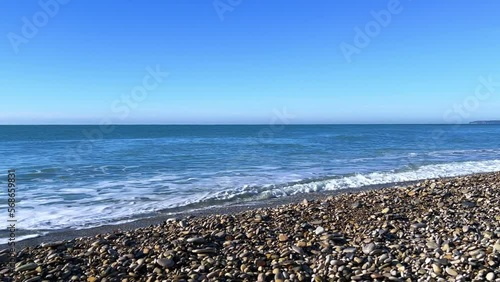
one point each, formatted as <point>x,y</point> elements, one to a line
<point>445,228</point>
<point>161,216</point>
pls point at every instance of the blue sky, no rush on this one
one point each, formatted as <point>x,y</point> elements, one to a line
<point>231,61</point>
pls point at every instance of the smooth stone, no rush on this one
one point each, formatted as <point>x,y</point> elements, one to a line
<point>213,274</point>
<point>298,250</point>
<point>283,238</point>
<point>451,271</point>
<point>205,251</point>
<point>259,217</point>
<point>488,234</point>
<point>367,249</point>
<point>468,204</point>
<point>111,237</point>
<point>166,263</point>
<point>318,279</point>
<point>301,244</point>
<point>183,223</point>
<point>197,240</point>
<point>490,276</point>
<point>319,230</point>
<point>432,245</point>
<point>349,250</point>
<point>33,279</point>
<point>436,269</point>
<point>336,262</point>
<point>358,260</point>
<point>26,267</point>
<point>98,243</point>
<point>418,225</point>
<point>496,247</point>
<point>445,247</point>
<point>356,205</point>
<point>278,277</point>
<point>221,234</point>
<point>52,244</point>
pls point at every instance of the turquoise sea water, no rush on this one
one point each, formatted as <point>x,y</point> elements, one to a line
<point>84,176</point>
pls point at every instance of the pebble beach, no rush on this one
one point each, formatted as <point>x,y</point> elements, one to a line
<point>432,230</point>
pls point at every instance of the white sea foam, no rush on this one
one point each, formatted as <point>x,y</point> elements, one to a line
<point>423,172</point>
<point>111,202</point>
<point>360,180</point>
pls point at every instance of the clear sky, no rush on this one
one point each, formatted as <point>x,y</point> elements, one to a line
<point>241,61</point>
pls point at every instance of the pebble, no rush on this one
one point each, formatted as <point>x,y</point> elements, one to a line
<point>368,248</point>
<point>26,267</point>
<point>437,269</point>
<point>468,204</point>
<point>451,271</point>
<point>166,263</point>
<point>205,251</point>
<point>283,238</point>
<point>349,250</point>
<point>278,277</point>
<point>196,240</point>
<point>319,230</point>
<point>418,225</point>
<point>496,247</point>
<point>298,250</point>
<point>52,244</point>
<point>356,205</point>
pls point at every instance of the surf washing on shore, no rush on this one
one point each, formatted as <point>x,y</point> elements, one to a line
<point>74,177</point>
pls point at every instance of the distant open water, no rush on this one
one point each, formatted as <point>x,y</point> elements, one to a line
<point>67,180</point>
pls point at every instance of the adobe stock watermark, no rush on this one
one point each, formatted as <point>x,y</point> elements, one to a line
<point>461,111</point>
<point>31,26</point>
<point>223,6</point>
<point>276,124</point>
<point>120,109</point>
<point>363,36</point>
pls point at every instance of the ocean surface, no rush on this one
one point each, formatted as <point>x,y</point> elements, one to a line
<point>74,177</point>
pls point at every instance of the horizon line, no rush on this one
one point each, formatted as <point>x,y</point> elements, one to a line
<point>224,124</point>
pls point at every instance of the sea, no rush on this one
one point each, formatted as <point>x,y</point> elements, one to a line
<point>83,176</point>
